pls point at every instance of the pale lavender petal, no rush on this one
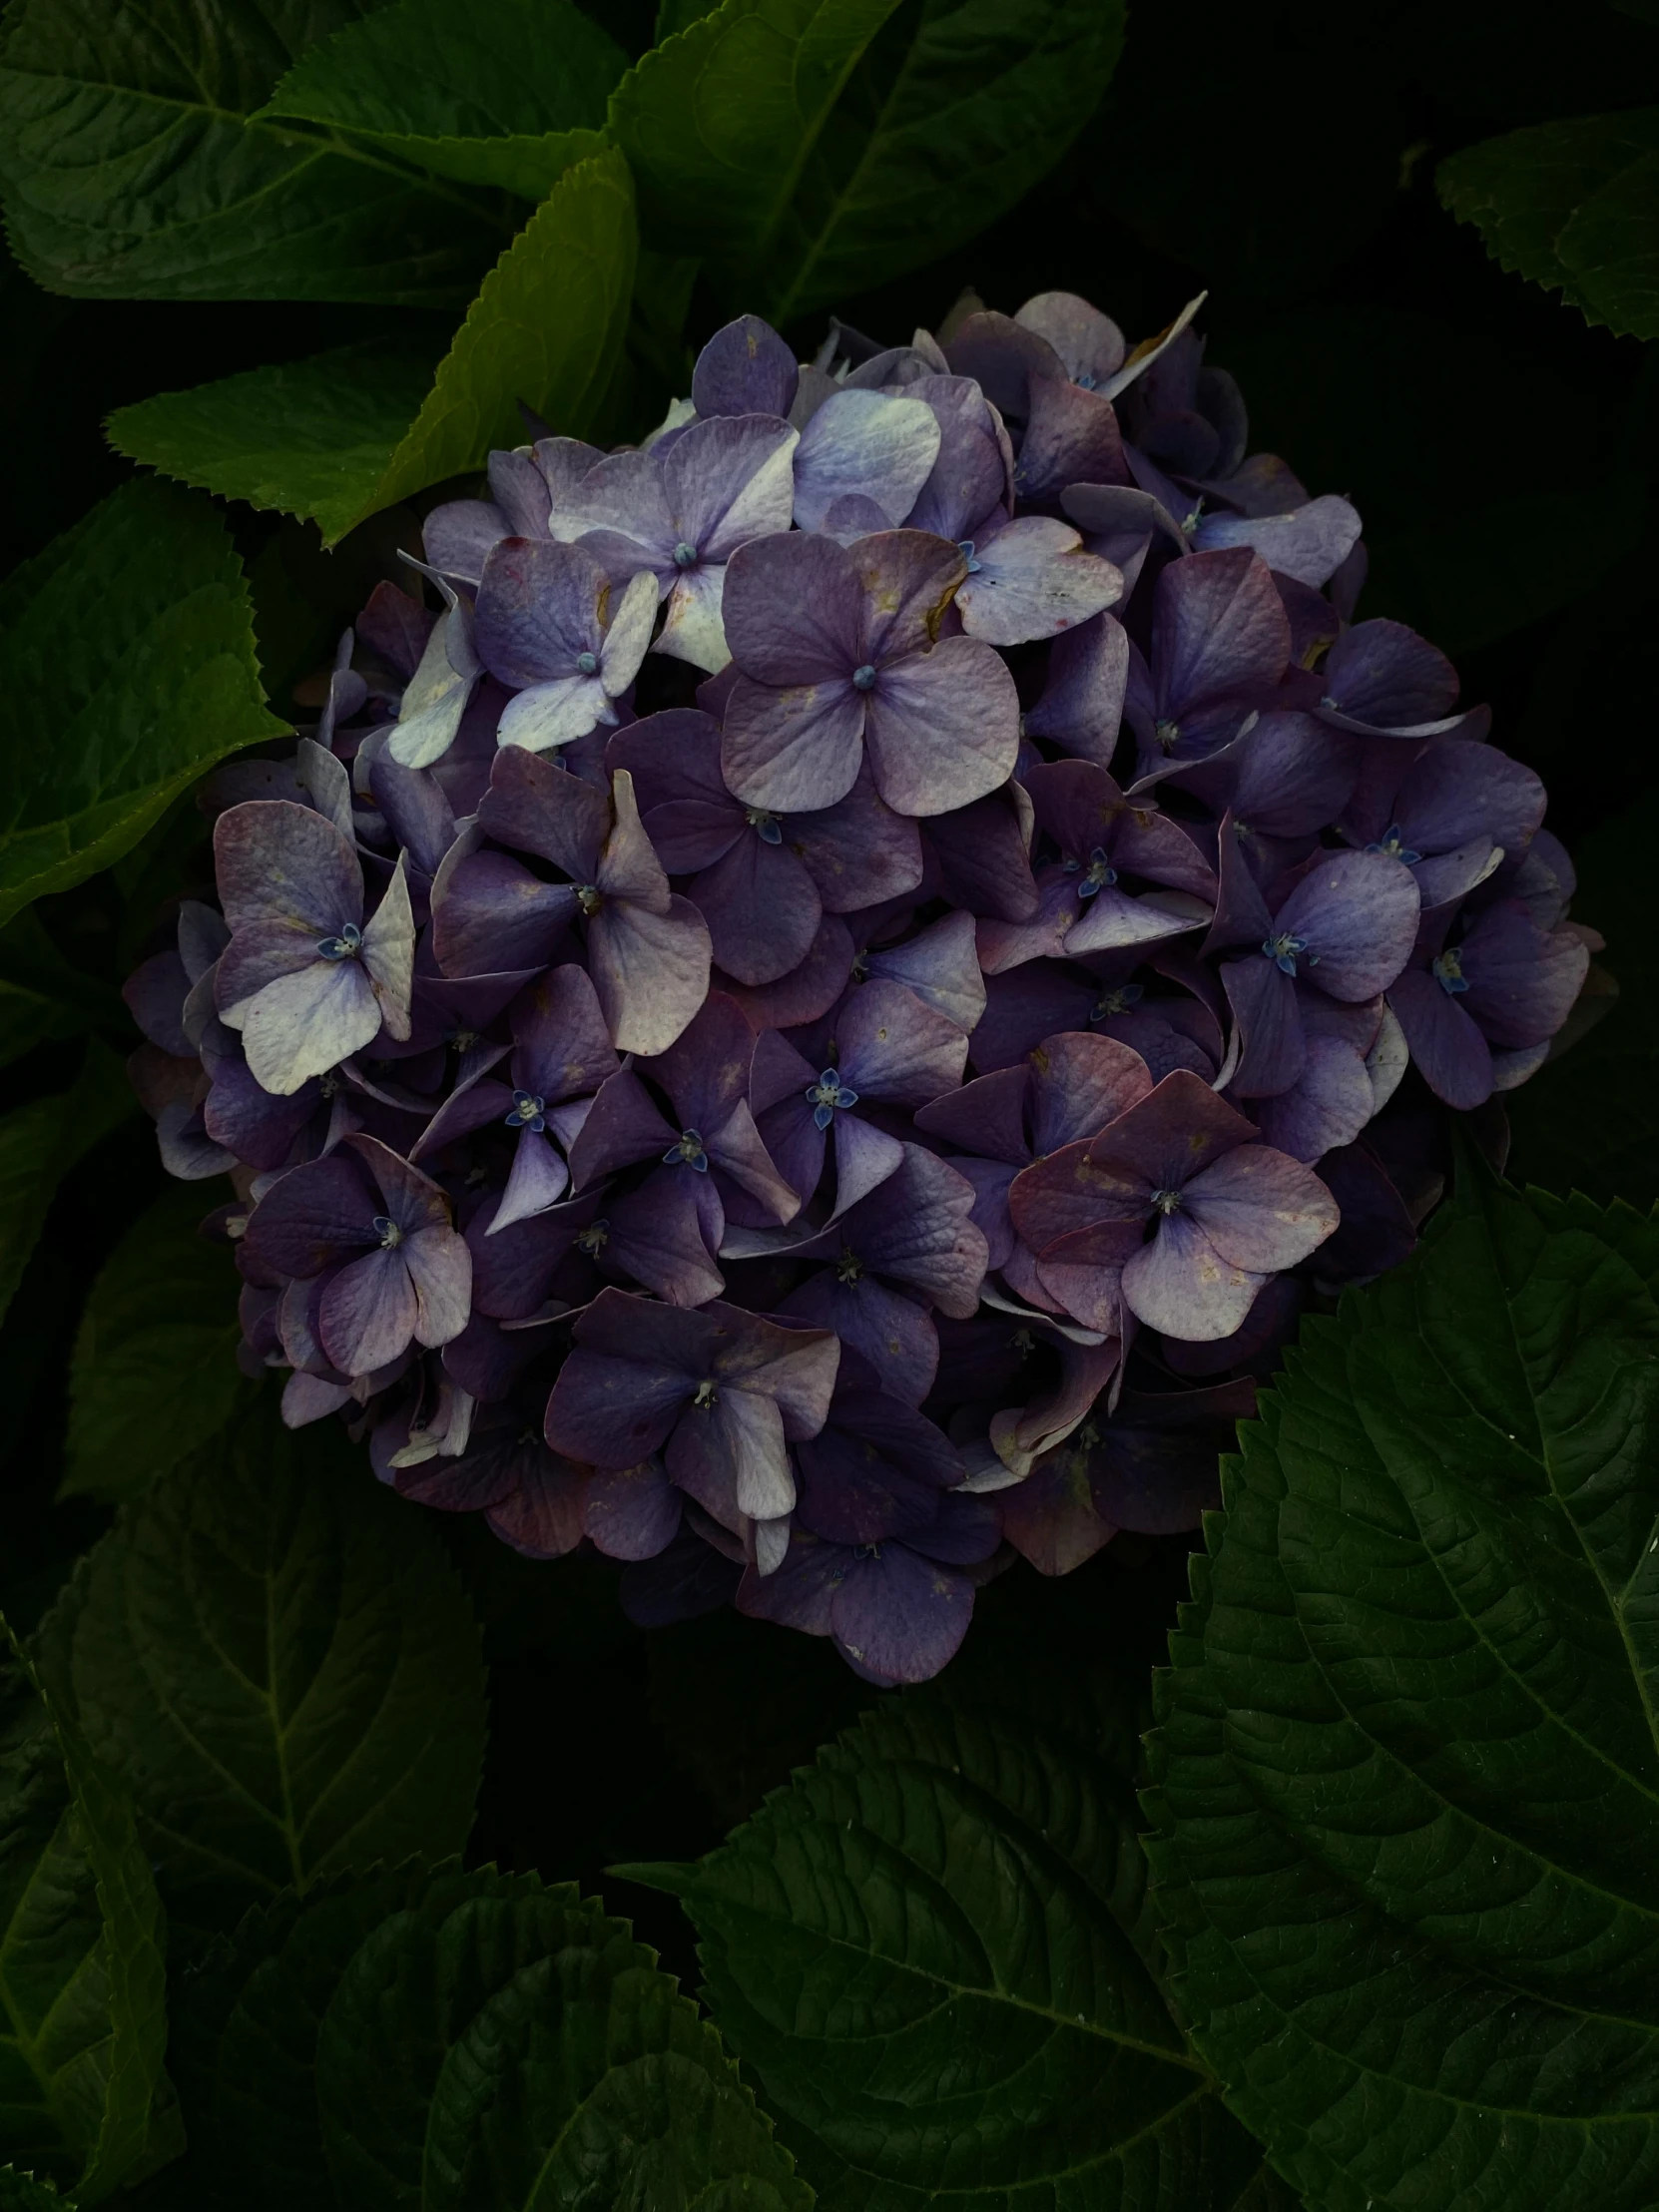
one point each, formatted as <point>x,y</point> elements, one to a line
<point>792,610</point>
<point>1179,1284</point>
<point>691,628</point>
<point>1089,346</point>
<point>623,496</point>
<point>908,578</point>
<point>728,480</point>
<point>651,970</point>
<point>868,442</point>
<point>1032,579</point>
<point>1359,912</point>
<point>388,953</point>
<point>276,860</point>
<point>940,966</point>
<point>1260,1208</point>
<point>1310,543</point>
<point>539,1178</point>
<point>746,368</point>
<point>1327,1106</point>
<point>304,1025</point>
<point>941,729</point>
<point>459,536</point>
<point>367,1313</point>
<point>796,749</point>
<point>439,1266</point>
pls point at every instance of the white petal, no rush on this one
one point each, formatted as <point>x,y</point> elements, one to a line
<point>553,714</point>
<point>693,630</point>
<point>304,1025</point>
<point>865,441</point>
<point>389,952</point>
<point>628,639</point>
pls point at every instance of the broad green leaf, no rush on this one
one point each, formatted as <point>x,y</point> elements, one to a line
<point>25,2192</point>
<point>44,997</point>
<point>431,2040</point>
<point>346,433</point>
<point>810,149</point>
<point>130,168</point>
<point>1407,1766</point>
<point>127,666</point>
<point>41,1142</point>
<point>274,1654</point>
<point>1573,206</point>
<point>83,2022</point>
<point>153,1373</point>
<point>936,1951</point>
<point>508,92</point>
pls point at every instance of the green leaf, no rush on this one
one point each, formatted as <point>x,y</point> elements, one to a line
<point>1573,206</point>
<point>509,93</point>
<point>1407,1764</point>
<point>45,998</point>
<point>133,168</point>
<point>41,1142</point>
<point>153,1373</point>
<point>83,2023</point>
<point>272,1651</point>
<point>439,2039</point>
<point>936,1950</point>
<point>128,669</point>
<point>810,149</point>
<point>345,434</point>
<point>23,2192</point>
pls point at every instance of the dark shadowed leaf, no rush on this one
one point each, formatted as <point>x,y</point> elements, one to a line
<point>153,1373</point>
<point>45,997</point>
<point>274,1654</point>
<point>41,1142</point>
<point>435,2039</point>
<point>346,433</point>
<point>810,149</point>
<point>130,168</point>
<point>83,2025</point>
<point>936,1950</point>
<point>1407,1774</point>
<point>127,666</point>
<point>1574,206</point>
<point>507,92</point>
<point>27,2192</point>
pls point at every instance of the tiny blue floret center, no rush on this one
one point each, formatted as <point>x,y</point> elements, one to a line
<point>825,1095</point>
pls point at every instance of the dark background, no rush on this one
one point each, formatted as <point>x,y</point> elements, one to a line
<point>1503,455</point>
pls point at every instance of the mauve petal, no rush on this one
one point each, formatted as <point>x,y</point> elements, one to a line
<point>730,480</point>
<point>388,953</point>
<point>1082,1274</point>
<point>1113,920</point>
<point>908,578</point>
<point>866,442</point>
<point>986,1117</point>
<point>1071,437</point>
<point>539,1179</point>
<point>1327,1106</point>
<point>1079,1083</point>
<point>260,953</point>
<point>520,490</point>
<point>562,1047</point>
<point>893,1047</point>
<point>303,1025</point>
<point>1266,1007</point>
<point>631,1512</point>
<point>974,474</point>
<point>1310,543</point>
<point>1069,1193</point>
<point>1021,1434</point>
<point>792,611</point>
<point>1173,1134</point>
<point>607,1411</point>
<point>538,609</point>
<point>1522,980</point>
<point>1087,343</point>
<point>651,970</point>
<point>155,993</point>
<point>1218,628</point>
<point>762,908</point>
<point>890,1331</point>
<point>899,1618</point>
<point>808,991</point>
<point>991,1215</point>
<point>745,369</point>
<point>543,1517</point>
<point>692,629</point>
<point>1383,673</point>
<point>276,860</point>
<point>1052,1518</point>
<point>939,967</point>
<point>1032,579</point>
<point>622,494</point>
<point>255,1127</point>
<point>366,1315</point>
<point>439,1266</point>
<point>1359,912</point>
<point>660,1235</point>
<point>412,1200</point>
<point>417,812</point>
<point>1081,706</point>
<point>943,728</point>
<point>857,851</point>
<point>792,749</point>
<point>1260,1208</point>
<point>494,908</point>
<point>459,535</point>
<point>1179,1284</point>
<point>310,1216</point>
<point>535,805</point>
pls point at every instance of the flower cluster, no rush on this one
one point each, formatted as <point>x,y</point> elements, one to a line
<point>824,990</point>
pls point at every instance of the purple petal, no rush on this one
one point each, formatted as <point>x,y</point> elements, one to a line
<point>1260,1208</point>
<point>1181,1284</point>
<point>1359,912</point>
<point>1081,706</point>
<point>1088,345</point>
<point>1080,1083</point>
<point>312,1215</point>
<point>792,611</point>
<point>563,1048</point>
<point>943,728</point>
<point>543,1517</point>
<point>792,749</point>
<point>631,1512</point>
<point>1383,675</point>
<point>939,967</point>
<point>1173,1134</point>
<point>908,579</point>
<point>651,970</point>
<point>538,610</point>
<point>1310,543</point>
<point>858,851</point>
<point>664,1235</point>
<point>459,535</point>
<point>1266,1007</point>
<point>890,1331</point>
<point>900,1618</point>
<point>865,443</point>
<point>894,1048</point>
<point>731,1458</point>
<point>973,475</point>
<point>537,806</point>
<point>762,908</point>
<point>1032,579</point>
<point>439,1266</point>
<point>538,1180</point>
<point>745,369</point>
<point>304,1025</point>
<point>1071,437</point>
<point>367,1313</point>
<point>1447,1048</point>
<point>1218,628</point>
<point>916,1228</point>
<point>276,860</point>
<point>612,1412</point>
<point>981,851</point>
<point>730,480</point>
<point>493,908</point>
<point>1327,1105</point>
<point>808,991</point>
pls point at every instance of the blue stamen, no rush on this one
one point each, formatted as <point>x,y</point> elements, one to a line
<point>766,825</point>
<point>825,1095</point>
<point>346,947</point>
<point>687,1152</point>
<point>1114,1003</point>
<point>1392,843</point>
<point>685,556</point>
<point>1447,972</point>
<point>1285,950</point>
<point>1100,874</point>
<point>587,663</point>
<point>964,546</point>
<point>528,1112</point>
<point>863,678</point>
<point>388,1231</point>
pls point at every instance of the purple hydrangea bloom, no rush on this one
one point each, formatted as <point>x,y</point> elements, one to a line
<point>876,1116</point>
